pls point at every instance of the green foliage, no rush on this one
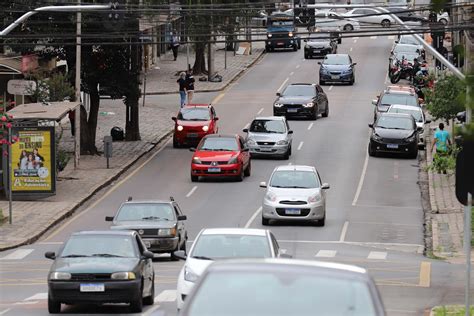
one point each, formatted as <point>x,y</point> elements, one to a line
<point>444,162</point>
<point>52,89</point>
<point>445,100</point>
<point>452,310</point>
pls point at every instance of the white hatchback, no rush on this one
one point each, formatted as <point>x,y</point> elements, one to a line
<point>417,113</point>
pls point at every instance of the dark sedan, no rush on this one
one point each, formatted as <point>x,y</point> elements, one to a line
<point>302,99</point>
<point>96,267</point>
<point>337,68</point>
<point>159,223</point>
<point>394,133</point>
<point>319,45</point>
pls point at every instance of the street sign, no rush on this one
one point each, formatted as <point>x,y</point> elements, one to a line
<point>465,172</point>
<point>21,87</point>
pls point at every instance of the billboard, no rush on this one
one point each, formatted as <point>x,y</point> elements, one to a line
<point>33,160</point>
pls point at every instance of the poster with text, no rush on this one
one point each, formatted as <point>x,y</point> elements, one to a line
<point>33,160</point>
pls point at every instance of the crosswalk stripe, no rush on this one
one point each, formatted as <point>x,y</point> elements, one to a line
<point>373,37</point>
<point>37,296</point>
<point>377,255</point>
<point>326,253</point>
<point>166,296</point>
<point>17,254</point>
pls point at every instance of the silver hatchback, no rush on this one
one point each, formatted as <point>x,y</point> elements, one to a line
<point>269,136</point>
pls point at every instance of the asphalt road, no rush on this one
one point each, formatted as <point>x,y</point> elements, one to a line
<point>374,214</point>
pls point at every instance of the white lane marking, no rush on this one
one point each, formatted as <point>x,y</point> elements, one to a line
<point>292,73</point>
<point>350,243</point>
<point>300,145</point>
<point>330,88</point>
<point>192,191</point>
<point>290,163</point>
<point>326,254</point>
<point>373,37</point>
<point>310,126</point>
<point>284,82</point>
<point>355,40</point>
<point>37,296</point>
<point>391,37</point>
<point>17,254</point>
<point>361,180</point>
<point>260,111</point>
<point>283,250</point>
<point>246,125</point>
<point>350,49</point>
<point>5,311</point>
<point>26,303</point>
<point>297,66</point>
<point>395,170</point>
<point>344,231</point>
<point>50,243</point>
<point>377,255</point>
<point>166,296</point>
<point>152,309</point>
<point>251,219</point>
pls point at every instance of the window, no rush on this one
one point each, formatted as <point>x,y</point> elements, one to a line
<point>294,179</point>
<point>145,211</point>
<point>219,144</point>
<point>392,122</point>
<point>267,126</point>
<point>194,114</point>
<point>231,246</point>
<point>97,245</point>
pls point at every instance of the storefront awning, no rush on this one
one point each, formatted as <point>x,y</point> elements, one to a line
<point>52,111</point>
<point>10,65</point>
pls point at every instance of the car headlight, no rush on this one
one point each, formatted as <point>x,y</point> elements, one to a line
<point>315,198</point>
<point>348,71</point>
<point>376,137</point>
<point>167,231</point>
<point>196,160</point>
<point>323,70</point>
<point>278,105</point>
<point>233,160</point>
<point>270,196</point>
<point>411,138</point>
<point>290,34</point>
<point>180,128</point>
<point>282,142</point>
<point>308,105</point>
<point>251,142</point>
<point>123,276</point>
<point>205,128</point>
<point>269,35</point>
<point>189,275</point>
<point>60,276</point>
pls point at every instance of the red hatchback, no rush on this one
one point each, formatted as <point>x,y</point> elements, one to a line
<point>194,121</point>
<point>221,156</point>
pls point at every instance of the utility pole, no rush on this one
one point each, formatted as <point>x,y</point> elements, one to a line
<point>77,112</point>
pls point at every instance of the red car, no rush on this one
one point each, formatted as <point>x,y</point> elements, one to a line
<point>221,156</point>
<point>194,121</point>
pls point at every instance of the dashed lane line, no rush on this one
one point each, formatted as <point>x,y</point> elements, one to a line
<point>192,191</point>
<point>297,66</point>
<point>218,98</point>
<point>310,126</point>
<point>425,274</point>
<point>17,254</point>
<point>300,145</point>
<point>5,311</point>
<point>260,111</point>
<point>344,231</point>
<point>350,49</point>
<point>361,180</point>
<point>166,296</point>
<point>330,88</point>
<point>292,73</point>
<point>326,254</point>
<point>377,255</point>
<point>37,296</point>
<point>284,82</point>
<point>251,219</point>
<point>373,37</point>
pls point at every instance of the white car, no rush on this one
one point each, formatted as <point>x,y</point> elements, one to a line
<point>419,116</point>
<point>213,244</point>
<point>330,20</point>
<point>370,17</point>
<point>294,193</point>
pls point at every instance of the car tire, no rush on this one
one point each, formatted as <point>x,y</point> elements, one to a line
<point>265,221</point>
<point>175,143</point>
<point>248,170</point>
<point>385,23</point>
<point>306,56</point>
<point>413,155</point>
<point>194,178</point>
<point>348,27</point>
<point>150,300</point>
<point>314,116</point>
<point>289,151</point>
<point>326,111</point>
<point>371,151</point>
<point>321,82</point>
<point>241,176</point>
<point>183,246</point>
<point>286,155</point>
<point>295,48</point>
<point>137,305</point>
<point>54,307</point>
<point>322,221</point>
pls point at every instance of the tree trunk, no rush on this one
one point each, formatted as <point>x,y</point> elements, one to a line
<point>200,62</point>
<point>132,128</point>
<point>89,125</point>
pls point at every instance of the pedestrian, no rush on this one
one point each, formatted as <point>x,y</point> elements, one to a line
<point>72,120</point>
<point>182,88</point>
<point>190,85</point>
<point>174,44</point>
<point>441,140</point>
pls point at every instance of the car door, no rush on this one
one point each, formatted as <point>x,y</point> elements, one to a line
<point>320,19</point>
<point>146,264</point>
<point>180,224</point>
<point>245,154</point>
<point>356,14</point>
<point>333,20</point>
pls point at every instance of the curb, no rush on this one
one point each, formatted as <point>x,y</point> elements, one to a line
<point>161,141</point>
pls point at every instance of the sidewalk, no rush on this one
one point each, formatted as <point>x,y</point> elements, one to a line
<point>31,219</point>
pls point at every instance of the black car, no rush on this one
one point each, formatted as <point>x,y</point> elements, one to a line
<point>394,133</point>
<point>96,267</point>
<point>159,223</point>
<point>302,99</point>
<point>319,45</point>
<point>337,68</point>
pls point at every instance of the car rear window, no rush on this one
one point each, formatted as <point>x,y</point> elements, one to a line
<point>145,211</point>
<point>219,144</point>
<point>219,246</point>
<point>415,113</point>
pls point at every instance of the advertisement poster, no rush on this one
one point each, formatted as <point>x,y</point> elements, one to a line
<point>33,160</point>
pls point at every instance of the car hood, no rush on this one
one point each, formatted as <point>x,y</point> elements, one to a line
<point>294,99</point>
<point>393,133</point>
<point>321,43</point>
<point>94,265</point>
<point>335,67</point>
<point>215,155</point>
<point>193,123</point>
<point>132,225</point>
<point>294,194</point>
<point>197,266</point>
<point>266,137</point>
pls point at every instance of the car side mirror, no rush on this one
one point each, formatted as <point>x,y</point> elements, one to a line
<point>353,64</point>
<point>319,63</point>
<point>192,149</point>
<point>396,42</point>
<point>50,255</point>
<point>148,254</point>
<point>325,186</point>
<point>374,102</point>
<point>427,121</point>
<point>371,125</point>
<point>109,218</point>
<point>180,254</point>
<point>174,118</point>
<point>182,217</point>
<point>245,130</point>
<point>246,149</point>
<point>305,40</point>
<point>216,119</point>
<point>263,184</point>
<point>278,94</point>
<point>290,132</point>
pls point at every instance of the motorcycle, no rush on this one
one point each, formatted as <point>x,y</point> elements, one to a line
<point>395,72</point>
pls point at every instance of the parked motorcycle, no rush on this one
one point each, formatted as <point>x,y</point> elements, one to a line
<point>395,72</point>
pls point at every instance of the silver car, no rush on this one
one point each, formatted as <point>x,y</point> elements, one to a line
<point>294,193</point>
<point>269,136</point>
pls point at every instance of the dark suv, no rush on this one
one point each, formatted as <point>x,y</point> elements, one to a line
<point>302,99</point>
<point>396,94</point>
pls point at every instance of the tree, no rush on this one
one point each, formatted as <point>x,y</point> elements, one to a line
<point>444,101</point>
<point>55,88</point>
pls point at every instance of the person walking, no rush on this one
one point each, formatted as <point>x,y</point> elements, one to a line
<point>182,88</point>
<point>174,44</point>
<point>441,140</point>
<point>190,85</point>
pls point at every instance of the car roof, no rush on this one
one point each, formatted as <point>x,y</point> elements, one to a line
<point>295,168</point>
<point>396,115</point>
<point>148,202</point>
<point>270,118</point>
<point>406,107</point>
<point>234,231</point>
<point>105,232</point>
<point>220,136</point>
<point>400,89</point>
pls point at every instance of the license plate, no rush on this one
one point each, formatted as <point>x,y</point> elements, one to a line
<point>292,110</point>
<point>334,77</point>
<point>192,134</point>
<point>280,43</point>
<point>265,149</point>
<point>392,146</point>
<point>292,211</point>
<point>214,169</point>
<point>316,51</point>
<point>92,288</point>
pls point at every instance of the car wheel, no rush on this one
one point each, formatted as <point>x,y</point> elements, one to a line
<point>348,27</point>
<point>175,143</point>
<point>241,176</point>
<point>265,221</point>
<point>54,307</point>
<point>295,48</point>
<point>413,155</point>
<point>183,246</point>
<point>306,56</point>
<point>314,115</point>
<point>371,151</point>
<point>385,23</point>
<point>194,178</point>
<point>150,300</point>
<point>322,221</point>
<point>289,151</point>
<point>444,21</point>
<point>137,305</point>
<point>286,155</point>
<point>172,256</point>
<point>321,82</point>
<point>352,81</point>
<point>248,170</point>
<point>326,111</point>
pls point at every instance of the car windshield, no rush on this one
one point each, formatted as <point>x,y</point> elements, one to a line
<point>219,144</point>
<point>295,90</point>
<point>319,37</point>
<point>294,179</point>
<point>268,126</point>
<point>280,293</point>
<point>194,114</point>
<point>408,40</point>
<point>415,113</point>
<point>394,122</point>
<point>336,60</point>
<point>99,246</point>
<point>145,211</point>
<point>394,98</point>
<point>218,246</point>
<point>405,48</point>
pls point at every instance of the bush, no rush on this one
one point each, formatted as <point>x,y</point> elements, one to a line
<point>446,99</point>
<point>444,162</point>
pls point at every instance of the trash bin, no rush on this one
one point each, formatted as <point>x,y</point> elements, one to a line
<point>117,133</point>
